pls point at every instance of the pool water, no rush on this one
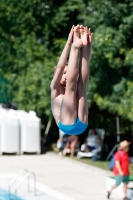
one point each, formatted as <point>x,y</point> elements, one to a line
<point>4,195</point>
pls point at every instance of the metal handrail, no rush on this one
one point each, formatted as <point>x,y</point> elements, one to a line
<point>18,184</point>
<point>16,178</point>
<point>27,176</point>
<point>34,177</point>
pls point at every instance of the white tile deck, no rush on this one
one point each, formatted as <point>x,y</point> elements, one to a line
<point>60,176</point>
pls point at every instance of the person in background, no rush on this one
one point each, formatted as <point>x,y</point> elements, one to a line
<point>61,143</point>
<point>121,168</point>
<point>93,141</point>
<point>72,142</point>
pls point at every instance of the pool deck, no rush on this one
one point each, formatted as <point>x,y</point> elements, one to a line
<point>60,176</point>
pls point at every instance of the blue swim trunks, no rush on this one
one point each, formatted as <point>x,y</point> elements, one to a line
<point>74,129</point>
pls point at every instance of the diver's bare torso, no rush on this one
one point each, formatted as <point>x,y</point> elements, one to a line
<point>56,101</point>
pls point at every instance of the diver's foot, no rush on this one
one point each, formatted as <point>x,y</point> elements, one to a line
<point>84,35</point>
<point>76,40</point>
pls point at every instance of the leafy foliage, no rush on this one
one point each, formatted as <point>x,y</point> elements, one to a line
<point>112,61</point>
<point>33,33</point>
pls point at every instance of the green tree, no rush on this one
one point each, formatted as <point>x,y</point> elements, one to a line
<point>5,95</point>
<point>33,33</point>
<point>111,71</point>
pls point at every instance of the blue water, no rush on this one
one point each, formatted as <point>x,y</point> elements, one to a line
<point>4,195</point>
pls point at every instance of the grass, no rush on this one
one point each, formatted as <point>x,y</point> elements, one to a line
<point>101,164</point>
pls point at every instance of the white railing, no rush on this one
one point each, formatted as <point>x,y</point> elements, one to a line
<point>19,180</point>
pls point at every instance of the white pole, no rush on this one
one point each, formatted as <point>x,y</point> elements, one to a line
<point>117,125</point>
<point>48,127</point>
<point>118,128</point>
<point>47,130</point>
